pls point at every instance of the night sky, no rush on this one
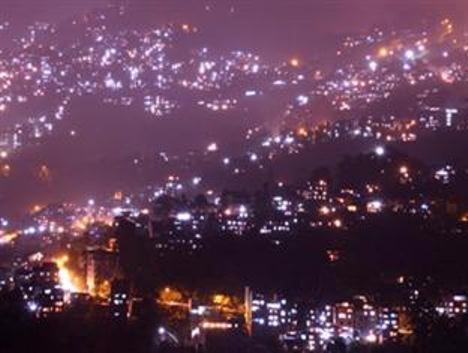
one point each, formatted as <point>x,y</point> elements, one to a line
<point>291,26</point>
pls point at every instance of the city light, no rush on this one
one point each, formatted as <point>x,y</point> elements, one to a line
<point>294,62</point>
<point>380,151</point>
<point>240,191</point>
<point>66,279</point>
<point>213,147</point>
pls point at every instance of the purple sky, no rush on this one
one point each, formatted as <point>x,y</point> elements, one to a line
<point>284,25</point>
<point>322,13</point>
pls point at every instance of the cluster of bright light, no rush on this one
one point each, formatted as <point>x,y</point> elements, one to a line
<point>324,324</point>
<point>66,280</point>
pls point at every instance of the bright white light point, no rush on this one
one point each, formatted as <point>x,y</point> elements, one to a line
<point>373,65</point>
<point>379,151</point>
<point>66,281</point>
<point>404,169</point>
<point>375,206</point>
<point>32,306</point>
<point>409,54</point>
<point>212,147</point>
<point>91,202</point>
<point>371,338</point>
<point>325,335</point>
<point>302,100</point>
<point>161,330</point>
<point>337,223</point>
<point>3,154</point>
<point>226,161</point>
<point>294,62</point>
<point>184,216</point>
<point>253,157</point>
<point>196,180</point>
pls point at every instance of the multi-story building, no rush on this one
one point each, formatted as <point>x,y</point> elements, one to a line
<point>120,301</point>
<point>101,268</point>
<point>452,306</point>
<point>41,289</point>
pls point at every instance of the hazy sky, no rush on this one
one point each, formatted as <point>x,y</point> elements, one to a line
<point>329,12</point>
<point>286,25</point>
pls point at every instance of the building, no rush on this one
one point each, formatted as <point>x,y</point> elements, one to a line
<point>41,289</point>
<point>120,300</point>
<point>101,268</point>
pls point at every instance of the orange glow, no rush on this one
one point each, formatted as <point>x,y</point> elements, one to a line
<point>464,218</point>
<point>207,325</point>
<point>104,290</point>
<point>170,296</point>
<point>383,52</point>
<point>220,299</point>
<point>404,170</point>
<point>5,170</point>
<point>227,304</point>
<point>44,173</point>
<point>324,210</point>
<point>118,195</point>
<point>68,281</point>
<point>82,223</point>
<point>294,62</point>
<point>302,131</point>
<point>447,26</point>
<point>8,238</point>
<point>447,76</point>
<point>338,223</point>
<point>36,208</point>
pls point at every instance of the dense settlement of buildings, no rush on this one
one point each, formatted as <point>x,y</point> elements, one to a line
<point>125,68</point>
